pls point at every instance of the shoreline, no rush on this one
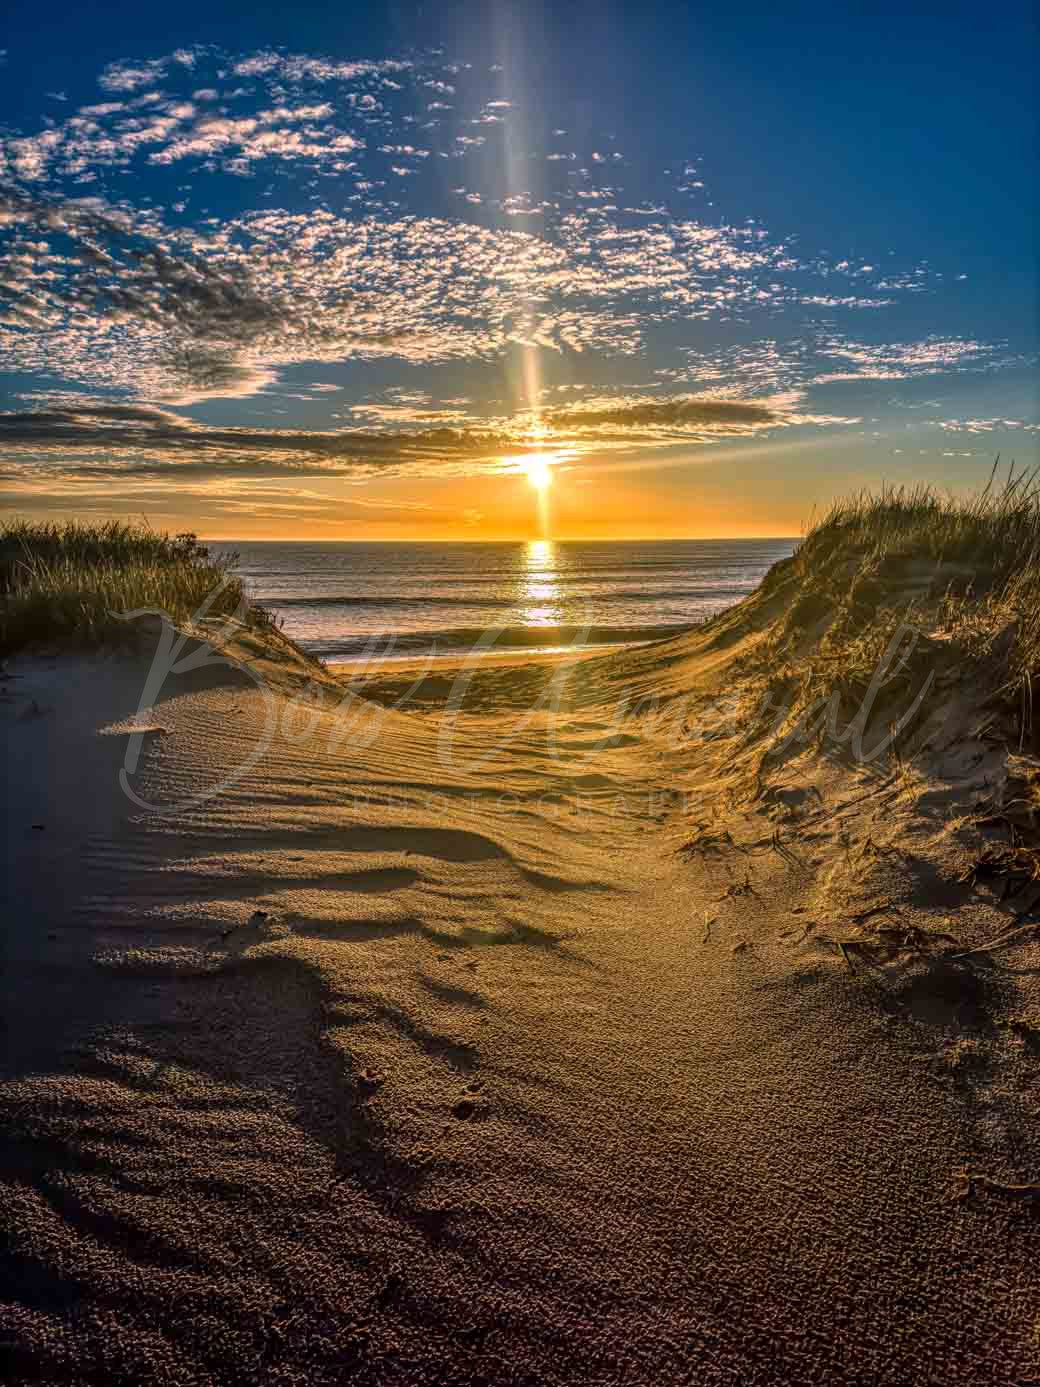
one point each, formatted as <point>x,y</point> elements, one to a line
<point>506,682</point>
<point>462,659</point>
<point>417,602</point>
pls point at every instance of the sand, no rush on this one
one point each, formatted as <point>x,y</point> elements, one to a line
<point>478,1053</point>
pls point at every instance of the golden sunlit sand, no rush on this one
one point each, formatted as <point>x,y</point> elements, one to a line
<point>571,1038</point>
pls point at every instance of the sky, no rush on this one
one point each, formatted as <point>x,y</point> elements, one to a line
<point>468,272</point>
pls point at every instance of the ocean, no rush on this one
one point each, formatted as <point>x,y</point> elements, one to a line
<point>347,601</point>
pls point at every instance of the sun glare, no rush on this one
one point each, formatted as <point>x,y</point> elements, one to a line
<point>538,469</point>
<point>539,472</point>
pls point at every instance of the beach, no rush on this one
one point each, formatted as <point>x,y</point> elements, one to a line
<point>510,1046</point>
<point>519,696</point>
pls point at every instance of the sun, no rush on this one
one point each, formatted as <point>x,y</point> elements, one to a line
<point>539,471</point>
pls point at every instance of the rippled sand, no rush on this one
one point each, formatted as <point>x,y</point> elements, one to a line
<point>423,1053</point>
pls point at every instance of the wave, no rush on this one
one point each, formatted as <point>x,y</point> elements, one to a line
<point>453,640</point>
<point>505,577</point>
<point>448,575</point>
<point>374,602</point>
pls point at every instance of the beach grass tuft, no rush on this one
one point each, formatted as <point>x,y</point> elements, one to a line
<point>71,582</point>
<point>982,549</point>
<point>961,569</point>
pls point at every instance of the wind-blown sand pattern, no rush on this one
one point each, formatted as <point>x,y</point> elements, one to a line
<point>517,1067</point>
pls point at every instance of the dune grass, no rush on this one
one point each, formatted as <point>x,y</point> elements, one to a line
<point>961,572</point>
<point>991,537</point>
<point>972,559</point>
<point>69,583</point>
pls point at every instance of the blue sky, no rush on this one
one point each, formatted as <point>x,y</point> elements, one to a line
<point>340,273</point>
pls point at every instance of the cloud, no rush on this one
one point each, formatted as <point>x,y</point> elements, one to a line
<point>187,312</point>
<point>128,310</point>
<point>129,77</point>
<point>212,499</point>
<point>769,366</point>
<point>125,302</point>
<point>408,413</point>
<point>166,130</point>
<point>260,137</point>
<point>274,64</point>
<point>846,301</point>
<point>142,440</point>
<point>682,414</point>
<point>298,67</point>
<point>334,252</point>
<point>904,360</point>
<point>101,440</point>
<point>988,425</point>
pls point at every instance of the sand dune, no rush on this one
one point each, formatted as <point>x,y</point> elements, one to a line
<point>514,1048</point>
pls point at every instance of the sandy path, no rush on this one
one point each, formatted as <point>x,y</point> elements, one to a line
<point>480,1098</point>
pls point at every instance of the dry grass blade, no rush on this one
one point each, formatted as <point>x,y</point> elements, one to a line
<point>1005,939</point>
<point>707,839</point>
<point>788,853</point>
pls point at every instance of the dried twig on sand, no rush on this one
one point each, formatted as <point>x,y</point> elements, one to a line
<point>1005,939</point>
<point>707,839</point>
<point>785,851</point>
<point>739,888</point>
<point>969,1180</point>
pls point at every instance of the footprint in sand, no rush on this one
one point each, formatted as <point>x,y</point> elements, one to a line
<point>469,1105</point>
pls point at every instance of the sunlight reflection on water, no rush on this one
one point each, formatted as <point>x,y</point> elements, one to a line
<point>339,597</point>
<point>541,594</point>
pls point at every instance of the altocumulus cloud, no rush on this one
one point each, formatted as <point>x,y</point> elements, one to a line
<point>132,299</point>
<point>334,252</point>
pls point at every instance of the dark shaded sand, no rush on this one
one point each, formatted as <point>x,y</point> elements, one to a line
<point>487,1058</point>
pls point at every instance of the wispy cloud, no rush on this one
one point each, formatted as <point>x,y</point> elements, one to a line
<point>992,425</point>
<point>135,438</point>
<point>905,360</point>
